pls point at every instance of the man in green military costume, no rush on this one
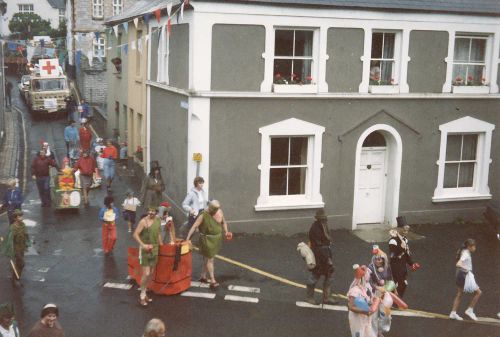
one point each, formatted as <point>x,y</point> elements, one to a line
<point>148,235</point>
<point>14,246</point>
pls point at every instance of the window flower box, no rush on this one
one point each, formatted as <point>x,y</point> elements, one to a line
<point>295,88</point>
<point>383,89</point>
<point>471,89</point>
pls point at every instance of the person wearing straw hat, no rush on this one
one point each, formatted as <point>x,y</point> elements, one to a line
<point>15,245</point>
<point>320,241</point>
<point>48,325</point>
<point>8,324</point>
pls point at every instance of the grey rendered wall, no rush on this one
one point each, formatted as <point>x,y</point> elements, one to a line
<point>178,65</point>
<point>154,56</point>
<point>169,142</point>
<point>237,63</point>
<point>344,68</point>
<point>235,156</point>
<point>427,68</point>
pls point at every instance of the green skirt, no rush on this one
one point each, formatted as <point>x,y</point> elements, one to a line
<point>210,244</point>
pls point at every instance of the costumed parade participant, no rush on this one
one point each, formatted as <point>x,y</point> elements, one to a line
<point>87,166</point>
<point>110,155</point>
<point>167,222</point>
<point>108,216</point>
<point>12,199</point>
<point>14,246</point>
<point>320,241</point>
<point>400,256</point>
<point>8,324</point>
<point>211,224</point>
<point>148,235</point>
<point>152,187</point>
<point>48,325</point>
<point>465,280</point>
<point>85,135</point>
<point>360,297</point>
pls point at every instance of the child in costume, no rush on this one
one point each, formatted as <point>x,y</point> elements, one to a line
<point>130,205</point>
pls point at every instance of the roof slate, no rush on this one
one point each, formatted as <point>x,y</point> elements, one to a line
<point>60,4</point>
<point>484,7</point>
<point>136,10</point>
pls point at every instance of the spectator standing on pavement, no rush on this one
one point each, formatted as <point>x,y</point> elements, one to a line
<point>40,172</point>
<point>130,205</point>
<point>8,93</point>
<point>85,135</point>
<point>14,246</point>
<point>195,201</point>
<point>108,216</point>
<point>320,240</point>
<point>85,110</point>
<point>110,155</point>
<point>211,224</point>
<point>49,325</point>
<point>8,325</point>
<point>70,107</point>
<point>71,136</point>
<point>87,166</point>
<point>400,256</point>
<point>155,328</point>
<point>152,187</point>
<point>12,199</point>
<point>359,299</point>
<point>465,280</point>
<point>148,235</point>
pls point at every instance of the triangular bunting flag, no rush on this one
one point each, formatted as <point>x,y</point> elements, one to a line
<point>132,45</point>
<point>115,29</point>
<point>169,26</point>
<point>147,16</point>
<point>97,35</point>
<point>125,48</point>
<point>158,15</point>
<point>125,26</point>
<point>169,9</point>
<point>136,22</point>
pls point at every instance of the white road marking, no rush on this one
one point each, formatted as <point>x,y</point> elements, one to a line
<point>123,286</point>
<point>97,251</point>
<point>31,251</point>
<point>335,307</point>
<point>35,202</point>
<point>43,270</point>
<point>321,306</point>
<point>409,314</point>
<point>29,223</point>
<point>241,299</point>
<point>488,319</point>
<point>38,278</point>
<point>199,284</point>
<point>244,289</point>
<point>57,252</point>
<point>196,294</point>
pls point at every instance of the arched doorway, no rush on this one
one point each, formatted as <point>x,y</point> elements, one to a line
<point>377,175</point>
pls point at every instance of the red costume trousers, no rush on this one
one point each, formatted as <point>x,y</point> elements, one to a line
<point>108,236</point>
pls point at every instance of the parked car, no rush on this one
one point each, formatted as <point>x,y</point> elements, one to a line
<point>24,86</point>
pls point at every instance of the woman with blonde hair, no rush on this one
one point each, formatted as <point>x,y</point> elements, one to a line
<point>211,224</point>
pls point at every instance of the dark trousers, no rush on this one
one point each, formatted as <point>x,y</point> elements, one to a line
<point>42,183</point>
<point>19,263</point>
<point>8,98</point>
<point>401,285</point>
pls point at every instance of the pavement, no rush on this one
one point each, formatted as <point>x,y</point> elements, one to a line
<point>66,265</point>
<point>11,149</point>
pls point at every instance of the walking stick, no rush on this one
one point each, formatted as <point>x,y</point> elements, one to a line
<point>14,269</point>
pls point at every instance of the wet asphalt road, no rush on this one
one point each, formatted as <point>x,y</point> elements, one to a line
<point>66,266</point>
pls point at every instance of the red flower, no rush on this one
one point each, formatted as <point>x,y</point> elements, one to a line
<point>458,78</point>
<point>309,78</point>
<point>139,148</point>
<point>278,75</point>
<point>470,78</point>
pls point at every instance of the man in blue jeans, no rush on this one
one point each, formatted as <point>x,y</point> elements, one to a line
<point>40,167</point>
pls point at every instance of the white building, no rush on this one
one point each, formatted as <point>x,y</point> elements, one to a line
<point>52,10</point>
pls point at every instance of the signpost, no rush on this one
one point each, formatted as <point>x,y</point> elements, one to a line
<point>197,157</point>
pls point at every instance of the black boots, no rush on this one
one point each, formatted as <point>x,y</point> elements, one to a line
<point>327,295</point>
<point>310,295</point>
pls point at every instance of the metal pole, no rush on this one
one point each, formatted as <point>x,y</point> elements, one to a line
<point>2,84</point>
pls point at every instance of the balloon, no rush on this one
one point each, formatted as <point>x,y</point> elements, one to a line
<point>390,286</point>
<point>387,300</point>
<point>361,304</point>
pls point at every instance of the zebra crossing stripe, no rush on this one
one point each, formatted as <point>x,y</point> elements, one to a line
<point>321,306</point>
<point>244,289</point>
<point>123,286</point>
<point>199,284</point>
<point>241,299</point>
<point>197,294</point>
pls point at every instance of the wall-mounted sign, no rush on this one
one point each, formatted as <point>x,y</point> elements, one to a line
<point>197,157</point>
<point>184,105</point>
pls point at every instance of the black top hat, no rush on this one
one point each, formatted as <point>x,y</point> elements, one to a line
<point>401,221</point>
<point>320,214</point>
<point>155,165</point>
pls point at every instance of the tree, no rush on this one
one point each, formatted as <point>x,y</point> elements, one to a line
<point>61,31</point>
<point>28,25</point>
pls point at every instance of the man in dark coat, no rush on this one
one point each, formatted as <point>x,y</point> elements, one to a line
<point>40,167</point>
<point>320,241</point>
<point>400,256</point>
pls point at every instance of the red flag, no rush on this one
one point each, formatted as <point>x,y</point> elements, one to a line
<point>186,2</point>
<point>169,26</point>
<point>158,15</point>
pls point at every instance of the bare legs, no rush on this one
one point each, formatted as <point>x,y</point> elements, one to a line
<point>146,277</point>
<point>470,310</point>
<point>458,298</point>
<point>208,270</point>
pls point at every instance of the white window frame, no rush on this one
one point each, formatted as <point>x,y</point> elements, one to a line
<point>163,57</point>
<point>26,8</point>
<point>99,47</point>
<point>62,14</point>
<point>478,89</point>
<point>480,189</point>
<point>298,88</point>
<point>292,128</point>
<point>117,7</point>
<point>398,44</point>
<point>98,9</point>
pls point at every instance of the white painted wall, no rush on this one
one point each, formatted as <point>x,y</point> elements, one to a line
<point>40,7</point>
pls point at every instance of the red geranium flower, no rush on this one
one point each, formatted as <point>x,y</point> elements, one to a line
<point>309,78</point>
<point>278,75</point>
<point>470,78</point>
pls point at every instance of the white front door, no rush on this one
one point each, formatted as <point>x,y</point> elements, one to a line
<point>371,187</point>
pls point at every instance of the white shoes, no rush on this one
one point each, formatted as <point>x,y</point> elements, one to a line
<point>454,315</point>
<point>469,312</point>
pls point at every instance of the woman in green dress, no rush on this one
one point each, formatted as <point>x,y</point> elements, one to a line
<point>211,224</point>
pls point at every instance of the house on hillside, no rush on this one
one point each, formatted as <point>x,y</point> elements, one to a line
<point>52,10</point>
<point>369,110</point>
